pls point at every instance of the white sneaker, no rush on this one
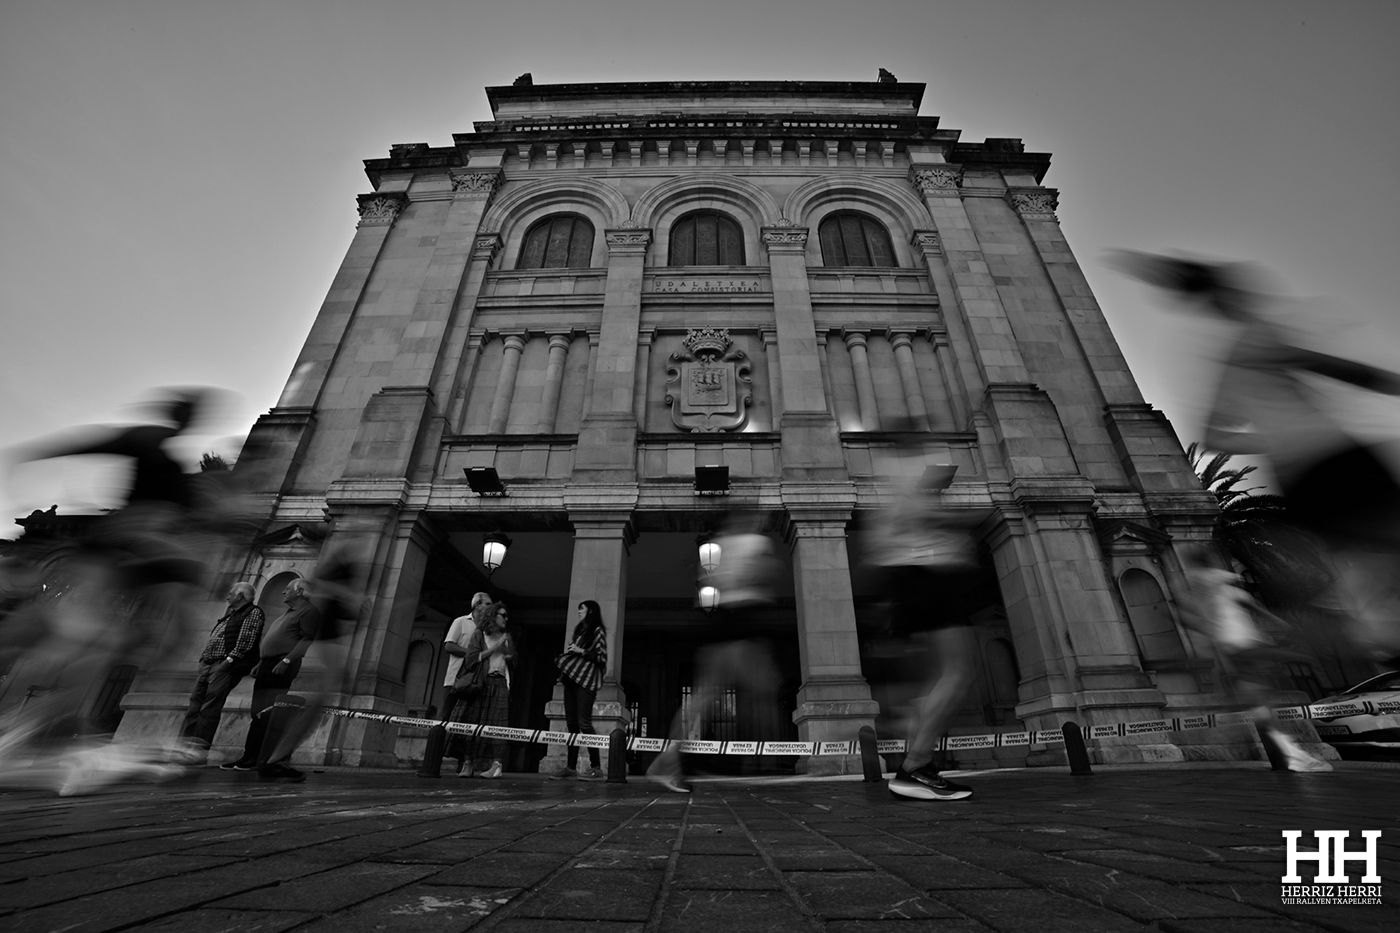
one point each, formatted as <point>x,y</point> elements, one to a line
<point>1294,755</point>
<point>467,770</point>
<point>492,772</point>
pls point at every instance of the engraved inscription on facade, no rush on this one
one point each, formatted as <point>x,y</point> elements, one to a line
<point>708,285</point>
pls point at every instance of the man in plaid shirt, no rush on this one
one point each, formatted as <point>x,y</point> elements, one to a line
<point>229,655</point>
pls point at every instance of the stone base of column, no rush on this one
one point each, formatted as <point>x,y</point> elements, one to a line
<point>833,711</point>
<point>608,714</point>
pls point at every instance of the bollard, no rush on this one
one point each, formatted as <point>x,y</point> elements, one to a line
<point>869,757</point>
<point>617,757</point>
<point>1074,749</point>
<point>1277,760</point>
<point>281,716</point>
<point>432,752</point>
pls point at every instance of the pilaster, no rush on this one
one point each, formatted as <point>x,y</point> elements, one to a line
<point>834,700</point>
<point>811,441</point>
<point>607,438</point>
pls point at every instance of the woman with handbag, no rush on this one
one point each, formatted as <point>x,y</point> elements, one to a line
<point>581,667</point>
<point>486,683</point>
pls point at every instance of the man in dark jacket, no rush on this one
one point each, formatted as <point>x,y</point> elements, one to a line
<point>229,655</point>
<point>283,646</point>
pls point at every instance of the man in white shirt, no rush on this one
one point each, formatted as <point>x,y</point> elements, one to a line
<point>455,644</point>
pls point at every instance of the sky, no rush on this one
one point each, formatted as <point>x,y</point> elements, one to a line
<point>178,179</point>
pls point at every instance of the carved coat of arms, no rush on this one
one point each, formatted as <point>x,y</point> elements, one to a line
<point>708,385</point>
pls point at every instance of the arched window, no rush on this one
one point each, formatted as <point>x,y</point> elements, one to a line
<point>1150,618</point>
<point>564,241</point>
<point>706,239</point>
<point>850,239</point>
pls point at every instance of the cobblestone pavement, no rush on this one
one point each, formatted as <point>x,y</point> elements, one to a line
<point>1171,849</point>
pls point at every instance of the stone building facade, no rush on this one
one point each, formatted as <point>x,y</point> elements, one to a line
<point>607,286</point>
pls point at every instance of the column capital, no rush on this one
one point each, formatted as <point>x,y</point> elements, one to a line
<point>485,247</point>
<point>928,241</point>
<point>785,238</point>
<point>936,179</point>
<point>625,240</point>
<point>475,184</point>
<point>515,341</point>
<point>1034,203</point>
<point>854,337</point>
<point>901,337</point>
<point>561,341</point>
<point>376,209</point>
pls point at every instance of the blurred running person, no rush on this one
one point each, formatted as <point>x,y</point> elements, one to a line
<point>930,568</point>
<point>732,659</point>
<point>1339,488</point>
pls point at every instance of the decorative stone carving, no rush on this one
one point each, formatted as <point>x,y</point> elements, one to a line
<point>940,179</point>
<point>380,208</point>
<point>625,238</point>
<point>1034,203</point>
<point>475,184</point>
<point>485,246</point>
<point>709,389</point>
<point>928,241</point>
<point>784,236</point>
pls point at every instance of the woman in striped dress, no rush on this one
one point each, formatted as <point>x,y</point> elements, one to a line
<point>491,645</point>
<point>581,669</point>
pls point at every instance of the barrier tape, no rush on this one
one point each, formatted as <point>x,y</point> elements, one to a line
<point>883,746</point>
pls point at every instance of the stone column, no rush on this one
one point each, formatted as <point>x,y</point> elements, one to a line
<point>639,404</point>
<point>373,655</point>
<point>608,436</point>
<point>590,366</point>
<point>457,411</point>
<point>952,385</point>
<point>505,387</point>
<point>865,385</point>
<point>834,699</point>
<point>902,341</point>
<point>553,381</point>
<point>811,442</point>
<point>775,379</point>
<point>599,573</point>
<point>276,442</point>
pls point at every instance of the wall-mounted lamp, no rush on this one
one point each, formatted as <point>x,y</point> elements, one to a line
<point>493,551</point>
<point>485,481</point>
<point>709,598</point>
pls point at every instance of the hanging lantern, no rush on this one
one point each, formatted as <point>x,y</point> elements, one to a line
<point>709,556</point>
<point>493,552</point>
<point>709,598</point>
